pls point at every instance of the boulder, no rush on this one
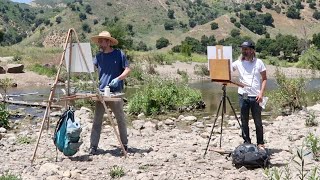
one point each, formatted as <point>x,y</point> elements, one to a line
<point>15,68</point>
<point>2,70</point>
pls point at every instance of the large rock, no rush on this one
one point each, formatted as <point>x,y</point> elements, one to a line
<point>15,68</point>
<point>2,70</point>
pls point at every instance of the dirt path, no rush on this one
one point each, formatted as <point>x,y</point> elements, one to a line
<point>29,78</point>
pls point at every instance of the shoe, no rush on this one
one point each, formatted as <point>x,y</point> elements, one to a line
<point>93,151</point>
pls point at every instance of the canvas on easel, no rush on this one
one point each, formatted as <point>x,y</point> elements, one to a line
<point>219,62</point>
<point>77,62</point>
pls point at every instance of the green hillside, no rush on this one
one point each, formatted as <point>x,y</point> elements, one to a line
<point>46,22</point>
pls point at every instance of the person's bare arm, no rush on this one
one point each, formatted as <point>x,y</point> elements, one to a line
<point>263,86</point>
<point>124,74</point>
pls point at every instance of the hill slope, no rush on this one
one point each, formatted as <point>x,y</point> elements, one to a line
<point>147,20</point>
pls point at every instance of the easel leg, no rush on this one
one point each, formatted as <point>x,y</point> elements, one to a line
<point>222,117</point>
<point>214,123</point>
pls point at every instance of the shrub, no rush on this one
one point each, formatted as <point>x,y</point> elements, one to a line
<point>313,143</point>
<point>162,42</point>
<point>116,171</point>
<point>201,70</point>
<point>159,96</point>
<point>43,70</point>
<point>311,120</point>
<point>214,26</point>
<point>24,140</point>
<point>4,116</point>
<point>8,176</point>
<point>58,19</point>
<point>291,93</point>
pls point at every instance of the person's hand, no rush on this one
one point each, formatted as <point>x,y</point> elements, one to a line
<point>259,98</point>
<point>114,82</point>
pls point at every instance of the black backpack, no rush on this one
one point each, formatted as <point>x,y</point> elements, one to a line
<point>250,156</point>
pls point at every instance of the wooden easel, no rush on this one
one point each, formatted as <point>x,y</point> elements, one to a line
<point>220,72</point>
<point>98,96</point>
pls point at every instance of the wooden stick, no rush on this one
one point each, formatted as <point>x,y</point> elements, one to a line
<point>51,95</point>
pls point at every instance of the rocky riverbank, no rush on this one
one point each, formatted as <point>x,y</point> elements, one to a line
<point>157,149</point>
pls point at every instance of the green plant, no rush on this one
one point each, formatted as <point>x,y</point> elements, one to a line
<point>311,120</point>
<point>4,116</point>
<point>9,177</point>
<point>273,173</point>
<point>24,140</point>
<point>43,70</point>
<point>5,84</point>
<point>313,143</point>
<point>201,70</point>
<point>314,174</point>
<point>116,171</point>
<point>301,163</point>
<point>158,96</point>
<point>184,75</point>
<point>291,93</point>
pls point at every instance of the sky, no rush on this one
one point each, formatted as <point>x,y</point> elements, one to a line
<point>22,1</point>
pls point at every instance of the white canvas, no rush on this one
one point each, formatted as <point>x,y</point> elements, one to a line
<point>227,54</point>
<point>78,63</point>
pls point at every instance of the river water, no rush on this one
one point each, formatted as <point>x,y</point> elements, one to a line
<point>211,93</point>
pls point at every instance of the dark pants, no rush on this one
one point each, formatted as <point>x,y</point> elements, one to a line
<point>245,106</point>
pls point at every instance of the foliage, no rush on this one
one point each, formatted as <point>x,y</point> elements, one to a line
<point>311,120</point>
<point>158,96</point>
<point>171,14</point>
<point>5,84</point>
<point>24,140</point>
<point>310,59</point>
<point>316,15</point>
<point>201,70</point>
<point>8,176</point>
<point>293,13</point>
<point>256,23</point>
<point>291,93</point>
<point>4,116</point>
<point>313,143</point>
<point>162,42</point>
<point>44,70</point>
<point>214,25</point>
<point>116,172</point>
<point>316,40</point>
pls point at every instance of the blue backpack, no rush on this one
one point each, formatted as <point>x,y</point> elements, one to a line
<point>67,134</point>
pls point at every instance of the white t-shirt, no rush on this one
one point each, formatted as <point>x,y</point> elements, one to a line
<point>249,74</point>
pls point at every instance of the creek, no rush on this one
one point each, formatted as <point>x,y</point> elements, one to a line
<point>211,93</point>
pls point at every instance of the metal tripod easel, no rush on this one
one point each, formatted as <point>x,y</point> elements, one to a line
<point>223,111</point>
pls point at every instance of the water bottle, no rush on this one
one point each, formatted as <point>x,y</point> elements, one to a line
<point>106,91</point>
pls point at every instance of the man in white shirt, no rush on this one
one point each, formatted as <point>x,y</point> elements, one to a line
<point>252,72</point>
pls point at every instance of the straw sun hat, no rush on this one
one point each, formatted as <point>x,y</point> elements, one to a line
<point>105,35</point>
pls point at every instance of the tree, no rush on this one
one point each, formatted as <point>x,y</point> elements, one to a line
<point>293,13</point>
<point>169,25</point>
<point>162,42</point>
<point>58,19</point>
<point>192,23</point>
<point>88,9</point>
<point>82,16</point>
<point>258,6</point>
<point>235,32</point>
<point>1,35</point>
<point>171,14</point>
<point>214,26</point>
<point>316,40</point>
<point>86,27</point>
<point>316,15</point>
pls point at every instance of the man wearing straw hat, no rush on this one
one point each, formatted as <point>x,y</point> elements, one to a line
<point>113,68</point>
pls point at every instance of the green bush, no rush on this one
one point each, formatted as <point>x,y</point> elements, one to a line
<point>4,116</point>
<point>116,172</point>
<point>162,95</point>
<point>43,70</point>
<point>310,59</point>
<point>291,93</point>
<point>9,177</point>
